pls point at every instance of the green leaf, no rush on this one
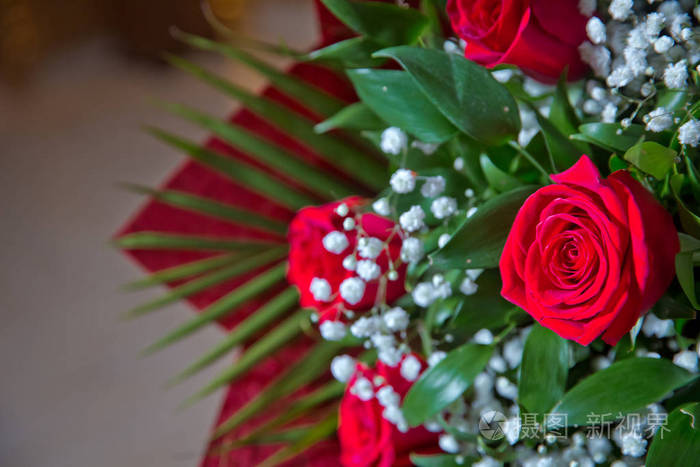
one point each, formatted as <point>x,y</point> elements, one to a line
<point>306,369</point>
<point>442,384</point>
<point>183,271</point>
<point>543,370</point>
<point>615,163</point>
<point>562,151</point>
<point>275,157</point>
<point>497,178</point>
<point>357,116</point>
<point>356,162</point>
<point>350,53</point>
<point>463,91</point>
<point>685,267</point>
<point>313,98</point>
<point>561,112</point>
<point>209,207</point>
<point>470,315</point>
<point>623,387</point>
<point>252,325</point>
<point>677,442</point>
<point>167,241</point>
<point>395,97</point>
<point>669,308</point>
<point>266,345</point>
<point>244,265</point>
<point>224,305</point>
<point>611,136</point>
<point>248,176</point>
<point>651,158</point>
<point>383,22</point>
<point>439,460</point>
<point>479,241</point>
<point>689,220</point>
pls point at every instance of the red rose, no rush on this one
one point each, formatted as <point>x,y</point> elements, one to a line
<point>310,259</point>
<point>539,36</point>
<point>366,437</point>
<point>589,256</point>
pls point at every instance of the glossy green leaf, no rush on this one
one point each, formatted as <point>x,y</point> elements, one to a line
<point>350,159</point>
<point>623,387</point>
<point>224,305</point>
<point>357,116</point>
<point>463,91</point>
<point>167,241</point>
<point>183,271</point>
<point>479,241</point>
<point>652,158</point>
<point>313,98</point>
<point>395,97</point>
<point>442,384</point>
<point>611,136</point>
<point>210,207</point>
<point>269,343</point>
<point>543,370</point>
<point>244,331</point>
<point>244,265</point>
<point>498,179</point>
<point>246,175</point>
<point>349,53</point>
<point>275,157</point>
<point>385,23</point>
<point>306,369</point>
<point>677,442</point>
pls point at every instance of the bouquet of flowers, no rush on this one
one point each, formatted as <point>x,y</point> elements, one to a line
<point>455,233</point>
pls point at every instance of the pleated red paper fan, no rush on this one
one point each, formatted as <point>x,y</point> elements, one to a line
<point>194,178</point>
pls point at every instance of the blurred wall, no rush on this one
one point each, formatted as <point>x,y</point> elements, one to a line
<point>73,391</point>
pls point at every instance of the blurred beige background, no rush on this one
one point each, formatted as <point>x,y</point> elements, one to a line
<point>73,391</point>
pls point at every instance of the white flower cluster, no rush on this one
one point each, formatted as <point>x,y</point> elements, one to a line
<point>362,262</point>
<point>343,368</point>
<point>636,48</point>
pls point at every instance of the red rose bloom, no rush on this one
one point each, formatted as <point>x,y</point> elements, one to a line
<point>539,36</point>
<point>309,258</point>
<point>589,256</point>
<point>366,437</point>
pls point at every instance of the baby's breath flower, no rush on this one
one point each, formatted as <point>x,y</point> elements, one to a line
<point>335,242</point>
<point>412,219</point>
<point>320,289</point>
<point>411,250</point>
<point>393,141</point>
<point>689,133</point>
<point>332,330</point>
<point>403,181</point>
<point>352,290</point>
<point>676,75</point>
<point>433,186</point>
<point>659,120</point>
<point>443,207</point>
